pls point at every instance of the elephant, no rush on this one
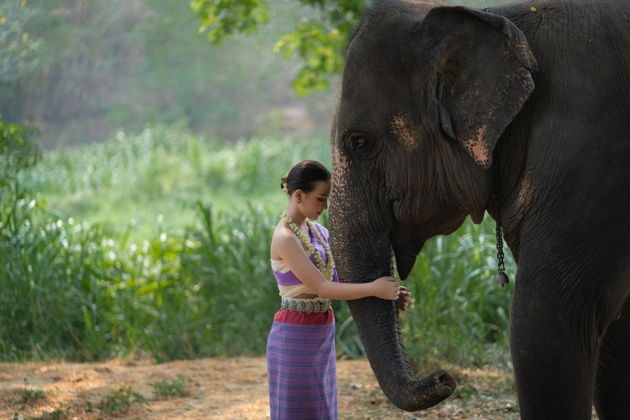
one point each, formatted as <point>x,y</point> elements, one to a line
<point>520,111</point>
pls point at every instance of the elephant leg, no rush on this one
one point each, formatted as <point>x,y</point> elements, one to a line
<point>554,352</point>
<point>612,391</point>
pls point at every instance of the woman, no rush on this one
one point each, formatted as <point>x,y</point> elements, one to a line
<point>301,344</point>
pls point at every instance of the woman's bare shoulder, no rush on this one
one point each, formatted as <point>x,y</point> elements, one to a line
<point>282,238</point>
<point>282,233</point>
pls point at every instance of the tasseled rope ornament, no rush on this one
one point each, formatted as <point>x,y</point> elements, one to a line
<point>501,279</point>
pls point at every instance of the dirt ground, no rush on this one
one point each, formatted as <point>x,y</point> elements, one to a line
<point>221,388</point>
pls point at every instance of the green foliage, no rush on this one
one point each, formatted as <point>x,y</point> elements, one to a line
<point>319,48</point>
<point>120,400</point>
<point>31,396</point>
<point>187,286</point>
<point>176,387</point>
<point>317,40</point>
<point>105,65</point>
<point>223,17</point>
<point>228,261</point>
<point>73,291</point>
<point>161,173</point>
<point>19,49</point>
<point>57,414</point>
<point>459,313</point>
<point>82,69</point>
<point>17,152</point>
<point>90,291</point>
<point>319,43</point>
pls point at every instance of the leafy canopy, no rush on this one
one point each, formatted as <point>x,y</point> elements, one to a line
<point>19,50</point>
<point>318,42</point>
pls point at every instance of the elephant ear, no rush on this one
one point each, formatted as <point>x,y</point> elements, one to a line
<point>483,70</point>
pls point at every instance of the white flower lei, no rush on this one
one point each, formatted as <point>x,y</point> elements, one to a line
<point>326,270</point>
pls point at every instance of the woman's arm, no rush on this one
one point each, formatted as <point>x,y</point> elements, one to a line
<point>289,248</point>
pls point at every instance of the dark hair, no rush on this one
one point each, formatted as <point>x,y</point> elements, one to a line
<point>303,175</point>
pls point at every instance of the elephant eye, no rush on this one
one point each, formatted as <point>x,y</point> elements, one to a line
<point>358,140</point>
<point>362,146</point>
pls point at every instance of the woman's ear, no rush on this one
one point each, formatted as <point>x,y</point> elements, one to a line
<point>483,69</point>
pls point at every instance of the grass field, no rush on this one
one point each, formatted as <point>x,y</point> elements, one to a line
<point>162,173</point>
<point>157,243</point>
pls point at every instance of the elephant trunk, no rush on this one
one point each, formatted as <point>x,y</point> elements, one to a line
<point>362,247</point>
<point>377,322</point>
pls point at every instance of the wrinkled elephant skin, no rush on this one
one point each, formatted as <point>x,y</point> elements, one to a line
<point>521,111</point>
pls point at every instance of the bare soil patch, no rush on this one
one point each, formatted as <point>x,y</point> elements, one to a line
<point>219,388</point>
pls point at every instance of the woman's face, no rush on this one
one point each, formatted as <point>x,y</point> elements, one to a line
<point>315,201</point>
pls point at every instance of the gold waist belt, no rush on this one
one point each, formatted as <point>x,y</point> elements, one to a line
<point>305,305</point>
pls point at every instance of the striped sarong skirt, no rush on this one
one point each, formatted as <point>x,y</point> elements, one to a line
<point>301,366</point>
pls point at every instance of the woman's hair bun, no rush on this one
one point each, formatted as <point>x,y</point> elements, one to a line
<point>303,175</point>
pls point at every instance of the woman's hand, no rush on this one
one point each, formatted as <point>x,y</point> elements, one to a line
<point>404,297</point>
<point>386,288</point>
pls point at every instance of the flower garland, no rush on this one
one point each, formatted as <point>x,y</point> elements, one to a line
<point>328,269</point>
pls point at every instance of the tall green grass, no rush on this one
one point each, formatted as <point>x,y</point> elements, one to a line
<point>163,172</point>
<point>84,292</point>
<point>459,313</point>
<point>85,282</point>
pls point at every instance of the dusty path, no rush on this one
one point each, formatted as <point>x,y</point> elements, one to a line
<point>222,388</point>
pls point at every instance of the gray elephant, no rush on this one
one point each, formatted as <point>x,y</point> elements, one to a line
<point>523,111</point>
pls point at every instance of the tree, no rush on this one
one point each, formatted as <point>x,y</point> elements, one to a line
<point>20,53</point>
<point>18,48</point>
<point>318,41</point>
<point>96,66</point>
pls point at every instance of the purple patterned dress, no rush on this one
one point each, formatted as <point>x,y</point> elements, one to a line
<point>301,357</point>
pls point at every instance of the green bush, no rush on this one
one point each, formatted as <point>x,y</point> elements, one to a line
<point>459,313</point>
<point>85,287</point>
<point>162,172</point>
<point>120,400</point>
<point>31,396</point>
<point>176,387</point>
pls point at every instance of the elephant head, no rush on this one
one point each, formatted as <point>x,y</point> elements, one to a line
<point>427,92</point>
